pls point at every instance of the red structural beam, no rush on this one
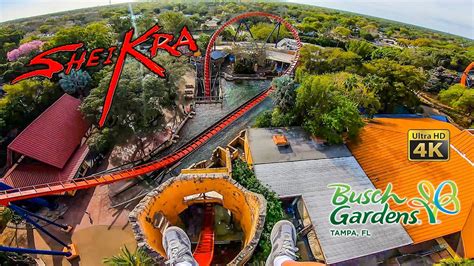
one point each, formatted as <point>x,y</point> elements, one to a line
<point>204,251</point>
<point>55,188</point>
<point>465,74</point>
<point>207,58</point>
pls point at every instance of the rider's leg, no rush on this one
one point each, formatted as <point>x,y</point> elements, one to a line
<point>283,239</point>
<point>178,247</point>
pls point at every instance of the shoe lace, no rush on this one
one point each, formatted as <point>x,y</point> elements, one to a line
<point>288,248</point>
<point>176,254</point>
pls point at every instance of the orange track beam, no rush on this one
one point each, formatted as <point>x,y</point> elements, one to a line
<point>465,74</point>
<point>22,193</point>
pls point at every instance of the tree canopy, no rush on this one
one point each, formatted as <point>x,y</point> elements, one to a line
<point>397,83</point>
<point>24,101</point>
<point>139,101</point>
<point>459,97</point>
<point>172,22</point>
<point>326,111</point>
<point>261,31</point>
<point>94,35</point>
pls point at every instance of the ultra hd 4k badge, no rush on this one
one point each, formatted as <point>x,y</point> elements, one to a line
<point>428,145</point>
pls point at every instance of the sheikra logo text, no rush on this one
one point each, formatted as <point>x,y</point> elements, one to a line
<point>432,201</point>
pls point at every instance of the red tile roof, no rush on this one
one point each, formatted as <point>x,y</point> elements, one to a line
<point>34,173</point>
<point>54,135</point>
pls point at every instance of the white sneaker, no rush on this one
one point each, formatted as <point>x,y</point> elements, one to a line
<point>177,246</point>
<point>283,239</point>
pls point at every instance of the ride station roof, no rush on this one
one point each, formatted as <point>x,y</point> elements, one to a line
<point>382,151</point>
<point>54,135</point>
<point>51,145</point>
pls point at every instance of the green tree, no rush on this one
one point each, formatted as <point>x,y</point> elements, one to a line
<point>264,119</point>
<point>424,58</point>
<point>326,112</point>
<point>369,32</point>
<point>228,33</point>
<point>391,53</point>
<point>363,48</point>
<point>9,38</point>
<point>397,83</point>
<point>363,93</point>
<point>10,70</point>
<point>284,93</point>
<point>145,22</point>
<point>172,22</point>
<point>459,97</point>
<point>309,25</point>
<point>24,101</point>
<point>75,83</point>
<point>94,35</point>
<point>120,24</point>
<point>139,101</point>
<point>5,216</point>
<point>203,41</point>
<point>316,60</point>
<point>341,32</point>
<point>127,258</point>
<point>98,34</point>
<point>455,262</point>
<point>261,31</point>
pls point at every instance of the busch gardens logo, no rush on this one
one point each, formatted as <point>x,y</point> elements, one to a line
<point>432,201</point>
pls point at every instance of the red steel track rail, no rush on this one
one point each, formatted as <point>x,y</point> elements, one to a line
<point>28,192</point>
<point>207,58</point>
<point>204,251</point>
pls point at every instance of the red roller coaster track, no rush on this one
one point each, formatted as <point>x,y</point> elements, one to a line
<point>55,188</point>
<point>465,74</point>
<point>207,58</point>
<point>22,193</point>
<point>204,251</point>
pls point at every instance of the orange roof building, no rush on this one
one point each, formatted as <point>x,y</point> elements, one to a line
<point>382,152</point>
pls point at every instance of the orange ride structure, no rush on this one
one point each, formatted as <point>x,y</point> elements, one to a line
<point>208,183</point>
<point>465,81</point>
<point>248,208</point>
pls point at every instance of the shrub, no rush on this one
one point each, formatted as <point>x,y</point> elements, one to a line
<point>246,177</point>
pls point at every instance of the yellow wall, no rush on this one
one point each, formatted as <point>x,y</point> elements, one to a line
<point>248,208</point>
<point>247,153</point>
<point>245,206</point>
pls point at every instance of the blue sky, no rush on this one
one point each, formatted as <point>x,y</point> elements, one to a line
<point>452,16</point>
